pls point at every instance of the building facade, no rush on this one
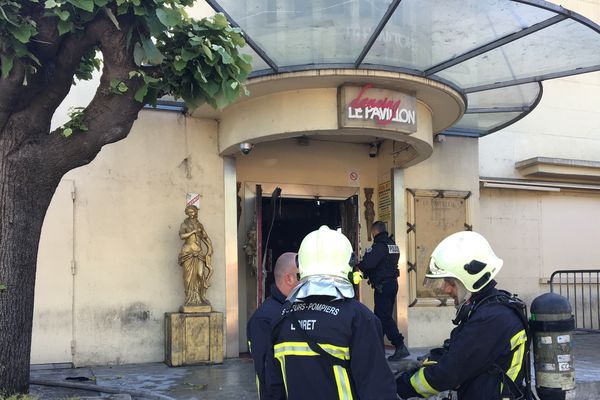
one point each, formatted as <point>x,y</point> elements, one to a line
<point>107,264</point>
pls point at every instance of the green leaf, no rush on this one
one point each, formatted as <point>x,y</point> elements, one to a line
<point>207,51</point>
<point>67,132</point>
<point>188,55</point>
<point>62,14</point>
<point>168,16</point>
<point>22,32</point>
<point>141,93</point>
<point>101,3</point>
<point>179,63</point>
<point>2,286</point>
<point>150,79</point>
<point>154,25</point>
<point>139,55</point>
<point>86,5</point>
<point>211,88</point>
<point>112,17</point>
<point>50,4</point>
<point>64,27</point>
<point>153,55</point>
<point>220,21</point>
<point>225,56</point>
<point>118,86</point>
<point>7,64</point>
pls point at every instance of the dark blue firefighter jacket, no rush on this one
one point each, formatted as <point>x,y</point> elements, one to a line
<point>258,332</point>
<point>348,331</point>
<point>493,335</point>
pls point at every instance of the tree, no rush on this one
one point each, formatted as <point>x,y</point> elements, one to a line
<point>145,49</point>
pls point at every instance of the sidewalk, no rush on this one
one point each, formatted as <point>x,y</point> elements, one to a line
<point>234,379</point>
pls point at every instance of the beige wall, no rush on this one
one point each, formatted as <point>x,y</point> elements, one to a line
<point>128,208</point>
<point>453,166</point>
<point>537,233</point>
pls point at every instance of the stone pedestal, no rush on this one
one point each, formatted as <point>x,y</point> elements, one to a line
<point>194,336</point>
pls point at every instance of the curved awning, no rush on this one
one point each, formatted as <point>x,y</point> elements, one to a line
<point>495,52</point>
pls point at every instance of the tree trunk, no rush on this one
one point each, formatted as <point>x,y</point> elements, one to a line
<point>26,189</point>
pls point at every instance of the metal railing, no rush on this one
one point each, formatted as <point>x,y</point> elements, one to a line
<point>582,288</point>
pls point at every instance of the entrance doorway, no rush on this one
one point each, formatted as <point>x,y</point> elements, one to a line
<point>285,221</point>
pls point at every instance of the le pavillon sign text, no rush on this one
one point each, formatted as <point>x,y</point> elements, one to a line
<point>376,108</point>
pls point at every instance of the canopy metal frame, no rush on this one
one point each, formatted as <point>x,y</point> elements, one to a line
<point>562,14</point>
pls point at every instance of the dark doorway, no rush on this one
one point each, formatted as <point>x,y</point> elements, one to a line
<point>294,219</point>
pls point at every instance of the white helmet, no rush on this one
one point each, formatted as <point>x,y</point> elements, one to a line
<point>466,256</point>
<point>325,252</point>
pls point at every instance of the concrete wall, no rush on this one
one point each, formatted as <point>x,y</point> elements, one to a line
<point>127,211</point>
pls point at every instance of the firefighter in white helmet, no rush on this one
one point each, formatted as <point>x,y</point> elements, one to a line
<point>485,355</point>
<point>327,345</point>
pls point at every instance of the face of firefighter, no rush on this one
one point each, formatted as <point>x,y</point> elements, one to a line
<point>450,287</point>
<point>455,289</point>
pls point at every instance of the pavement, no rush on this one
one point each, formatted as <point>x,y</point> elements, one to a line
<point>234,379</point>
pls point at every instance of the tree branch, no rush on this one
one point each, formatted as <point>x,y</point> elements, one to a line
<point>58,74</point>
<point>109,116</point>
<point>9,90</point>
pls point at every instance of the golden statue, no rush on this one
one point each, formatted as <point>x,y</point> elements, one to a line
<point>195,258</point>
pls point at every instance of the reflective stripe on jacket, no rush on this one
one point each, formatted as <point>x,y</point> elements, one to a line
<point>492,335</point>
<point>347,330</point>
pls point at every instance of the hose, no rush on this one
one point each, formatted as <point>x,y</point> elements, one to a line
<point>146,394</point>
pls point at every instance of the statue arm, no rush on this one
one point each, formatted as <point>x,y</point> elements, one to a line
<point>184,236</point>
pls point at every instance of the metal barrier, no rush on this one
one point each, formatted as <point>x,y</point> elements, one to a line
<point>582,288</point>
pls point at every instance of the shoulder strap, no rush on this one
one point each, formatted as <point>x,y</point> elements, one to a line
<point>520,308</point>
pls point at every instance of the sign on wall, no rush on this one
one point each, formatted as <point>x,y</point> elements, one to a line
<point>370,107</point>
<point>384,202</point>
<point>431,215</point>
<point>192,199</point>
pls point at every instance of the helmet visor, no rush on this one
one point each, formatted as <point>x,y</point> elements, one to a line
<point>435,285</point>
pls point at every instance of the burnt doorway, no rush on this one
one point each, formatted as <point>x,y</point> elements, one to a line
<point>293,218</point>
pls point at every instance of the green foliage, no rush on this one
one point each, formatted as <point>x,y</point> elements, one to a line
<point>197,61</point>
<point>16,31</point>
<point>202,62</point>
<point>76,115</point>
<point>2,286</point>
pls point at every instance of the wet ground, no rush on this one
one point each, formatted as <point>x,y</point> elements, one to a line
<point>234,379</point>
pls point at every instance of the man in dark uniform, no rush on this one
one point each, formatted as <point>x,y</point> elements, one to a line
<point>259,326</point>
<point>380,266</point>
<point>486,354</point>
<point>327,345</point>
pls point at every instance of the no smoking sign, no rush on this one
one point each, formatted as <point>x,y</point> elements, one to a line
<point>353,178</point>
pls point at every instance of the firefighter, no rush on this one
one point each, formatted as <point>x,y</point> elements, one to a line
<point>327,345</point>
<point>484,357</point>
<point>259,325</point>
<point>380,265</point>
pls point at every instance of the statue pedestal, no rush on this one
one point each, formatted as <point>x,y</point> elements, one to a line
<point>194,336</point>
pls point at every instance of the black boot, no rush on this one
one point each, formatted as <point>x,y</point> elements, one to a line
<point>400,353</point>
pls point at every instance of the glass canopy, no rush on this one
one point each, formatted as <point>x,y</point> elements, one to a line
<point>495,52</point>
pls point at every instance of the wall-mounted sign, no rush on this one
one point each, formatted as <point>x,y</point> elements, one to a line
<point>376,108</point>
<point>192,199</point>
<point>384,202</point>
